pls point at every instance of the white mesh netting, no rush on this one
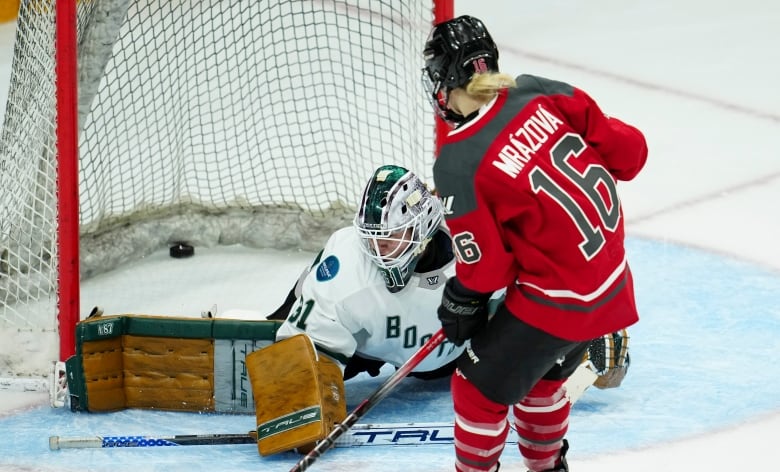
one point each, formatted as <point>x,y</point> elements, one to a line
<point>211,122</point>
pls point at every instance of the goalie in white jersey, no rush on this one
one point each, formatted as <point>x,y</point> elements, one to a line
<point>370,297</point>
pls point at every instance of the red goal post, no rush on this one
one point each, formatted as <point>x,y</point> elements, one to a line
<point>131,124</point>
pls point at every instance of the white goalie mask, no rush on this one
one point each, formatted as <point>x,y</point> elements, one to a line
<point>396,219</point>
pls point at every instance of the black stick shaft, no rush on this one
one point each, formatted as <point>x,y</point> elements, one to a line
<point>366,405</point>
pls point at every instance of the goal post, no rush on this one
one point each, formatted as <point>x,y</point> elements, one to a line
<point>131,124</point>
<point>67,193</point>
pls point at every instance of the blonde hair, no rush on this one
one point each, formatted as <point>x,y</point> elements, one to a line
<point>483,87</point>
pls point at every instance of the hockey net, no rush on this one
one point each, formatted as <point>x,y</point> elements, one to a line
<point>210,122</point>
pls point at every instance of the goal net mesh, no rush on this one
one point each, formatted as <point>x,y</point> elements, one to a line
<point>210,122</point>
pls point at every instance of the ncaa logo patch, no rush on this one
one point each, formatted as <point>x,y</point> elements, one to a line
<point>328,268</point>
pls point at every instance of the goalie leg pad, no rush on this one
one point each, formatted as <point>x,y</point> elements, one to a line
<point>608,357</point>
<point>299,395</point>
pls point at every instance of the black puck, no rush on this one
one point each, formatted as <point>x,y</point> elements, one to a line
<point>181,250</point>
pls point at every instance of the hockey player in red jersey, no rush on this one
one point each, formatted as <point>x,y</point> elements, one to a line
<point>528,179</point>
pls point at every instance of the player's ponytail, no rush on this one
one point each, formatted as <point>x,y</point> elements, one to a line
<point>484,86</point>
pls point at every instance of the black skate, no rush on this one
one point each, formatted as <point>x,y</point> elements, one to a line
<point>563,466</point>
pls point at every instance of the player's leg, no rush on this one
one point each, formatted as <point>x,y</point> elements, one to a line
<point>481,427</point>
<point>542,417</point>
<point>498,369</point>
<point>541,420</point>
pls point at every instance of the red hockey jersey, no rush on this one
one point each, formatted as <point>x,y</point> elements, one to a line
<point>529,189</point>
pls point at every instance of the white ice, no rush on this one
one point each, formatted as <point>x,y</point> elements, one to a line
<point>699,77</point>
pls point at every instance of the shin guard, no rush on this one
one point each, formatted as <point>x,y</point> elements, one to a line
<point>481,427</point>
<point>542,419</point>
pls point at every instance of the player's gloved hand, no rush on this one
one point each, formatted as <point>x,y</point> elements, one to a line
<point>358,364</point>
<point>462,312</point>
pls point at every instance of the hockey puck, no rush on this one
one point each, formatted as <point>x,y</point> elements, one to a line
<point>181,250</point>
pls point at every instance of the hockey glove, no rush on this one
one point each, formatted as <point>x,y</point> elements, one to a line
<point>462,312</point>
<point>608,357</point>
<point>359,364</point>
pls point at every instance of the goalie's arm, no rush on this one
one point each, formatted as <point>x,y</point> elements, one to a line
<point>283,311</point>
<point>355,363</point>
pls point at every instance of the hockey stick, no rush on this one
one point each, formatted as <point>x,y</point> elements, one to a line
<point>370,402</point>
<point>387,434</point>
<point>369,434</point>
<point>59,442</point>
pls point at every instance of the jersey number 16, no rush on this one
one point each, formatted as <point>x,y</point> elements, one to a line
<point>571,145</point>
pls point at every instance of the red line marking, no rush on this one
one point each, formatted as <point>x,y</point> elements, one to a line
<point>764,115</point>
<point>728,106</point>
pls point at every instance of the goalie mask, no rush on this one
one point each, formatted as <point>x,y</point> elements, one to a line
<point>456,50</point>
<point>397,217</point>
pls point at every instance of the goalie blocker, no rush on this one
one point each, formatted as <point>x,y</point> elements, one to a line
<point>299,395</point>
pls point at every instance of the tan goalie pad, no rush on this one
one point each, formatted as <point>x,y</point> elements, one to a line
<point>299,395</point>
<point>169,373</point>
<point>149,372</point>
<point>103,366</point>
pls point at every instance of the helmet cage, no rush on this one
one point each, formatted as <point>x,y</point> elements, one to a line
<point>391,247</point>
<point>397,218</point>
<point>439,97</point>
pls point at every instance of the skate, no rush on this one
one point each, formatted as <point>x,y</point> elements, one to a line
<point>562,466</point>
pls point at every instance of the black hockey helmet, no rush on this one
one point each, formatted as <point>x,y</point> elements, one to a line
<point>456,49</point>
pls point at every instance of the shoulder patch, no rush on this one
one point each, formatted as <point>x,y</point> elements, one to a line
<point>328,268</point>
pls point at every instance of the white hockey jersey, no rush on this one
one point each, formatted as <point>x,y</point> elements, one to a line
<point>345,308</point>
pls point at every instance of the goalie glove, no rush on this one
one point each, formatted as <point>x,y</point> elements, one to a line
<point>462,312</point>
<point>358,364</point>
<point>608,358</point>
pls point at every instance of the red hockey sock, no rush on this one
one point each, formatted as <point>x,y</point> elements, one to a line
<point>542,419</point>
<point>481,427</point>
